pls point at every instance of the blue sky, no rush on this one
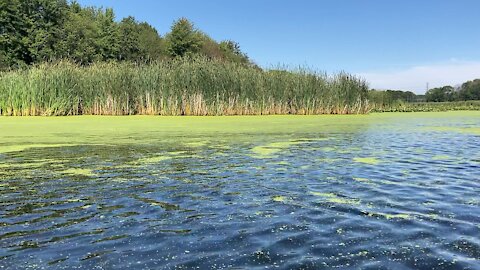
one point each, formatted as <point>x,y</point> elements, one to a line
<point>401,44</point>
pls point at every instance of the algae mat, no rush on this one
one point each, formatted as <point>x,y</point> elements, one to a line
<point>386,190</point>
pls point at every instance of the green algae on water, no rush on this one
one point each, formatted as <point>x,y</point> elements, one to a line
<point>151,160</point>
<point>387,216</point>
<point>279,198</point>
<point>441,157</point>
<point>334,198</point>
<point>78,171</point>
<point>363,180</point>
<point>328,160</point>
<point>269,150</point>
<point>464,130</point>
<point>367,160</point>
<point>23,147</point>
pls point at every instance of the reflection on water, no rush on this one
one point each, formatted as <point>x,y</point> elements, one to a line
<point>401,193</point>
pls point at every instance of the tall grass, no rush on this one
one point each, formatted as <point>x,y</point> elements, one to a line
<point>180,87</point>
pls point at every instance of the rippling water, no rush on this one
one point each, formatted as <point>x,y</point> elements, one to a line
<point>390,191</point>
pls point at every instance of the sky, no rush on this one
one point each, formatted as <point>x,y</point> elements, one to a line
<point>397,44</point>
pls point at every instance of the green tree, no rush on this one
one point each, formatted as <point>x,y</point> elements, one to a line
<point>470,90</point>
<point>14,27</point>
<point>150,42</point>
<point>46,27</point>
<point>79,42</point>
<point>183,39</point>
<point>108,35</point>
<point>440,94</point>
<point>233,53</point>
<point>130,48</point>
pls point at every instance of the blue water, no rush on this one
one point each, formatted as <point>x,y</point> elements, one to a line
<point>398,196</point>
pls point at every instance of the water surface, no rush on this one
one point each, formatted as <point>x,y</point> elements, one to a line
<point>383,191</point>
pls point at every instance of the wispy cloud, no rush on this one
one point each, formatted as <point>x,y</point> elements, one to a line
<point>415,79</point>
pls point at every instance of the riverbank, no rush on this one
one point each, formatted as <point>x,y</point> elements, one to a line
<point>471,105</point>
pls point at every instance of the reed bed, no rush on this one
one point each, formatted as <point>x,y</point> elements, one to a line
<point>179,87</point>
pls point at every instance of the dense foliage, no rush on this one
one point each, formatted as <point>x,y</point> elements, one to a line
<point>467,91</point>
<point>36,31</point>
<point>458,98</point>
<point>388,97</point>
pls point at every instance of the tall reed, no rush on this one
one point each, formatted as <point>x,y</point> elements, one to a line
<point>179,87</point>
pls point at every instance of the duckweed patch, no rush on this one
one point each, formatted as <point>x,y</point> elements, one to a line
<point>18,148</point>
<point>367,160</point>
<point>387,216</point>
<point>334,198</point>
<point>441,157</point>
<point>363,180</point>
<point>279,198</point>
<point>463,130</point>
<point>269,150</point>
<point>329,160</point>
<point>78,171</point>
<point>150,160</point>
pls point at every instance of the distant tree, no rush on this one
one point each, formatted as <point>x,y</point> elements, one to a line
<point>130,48</point>
<point>81,33</point>
<point>440,94</point>
<point>390,97</point>
<point>14,27</point>
<point>151,44</point>
<point>470,90</point>
<point>35,31</point>
<point>233,52</point>
<point>46,27</point>
<point>210,48</point>
<point>108,35</point>
<point>183,39</point>
<point>231,46</point>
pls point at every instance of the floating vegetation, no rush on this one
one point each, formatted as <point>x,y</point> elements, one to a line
<point>334,198</point>
<point>363,180</point>
<point>441,157</point>
<point>269,150</point>
<point>464,130</point>
<point>367,160</point>
<point>18,148</point>
<point>329,160</point>
<point>151,160</point>
<point>78,171</point>
<point>196,144</point>
<point>279,198</point>
<point>389,216</point>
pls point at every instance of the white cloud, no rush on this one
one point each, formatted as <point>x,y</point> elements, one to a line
<point>416,78</point>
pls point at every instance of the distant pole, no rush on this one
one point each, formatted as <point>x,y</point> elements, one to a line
<point>427,88</point>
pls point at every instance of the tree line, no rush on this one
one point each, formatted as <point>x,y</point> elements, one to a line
<point>36,31</point>
<point>469,90</point>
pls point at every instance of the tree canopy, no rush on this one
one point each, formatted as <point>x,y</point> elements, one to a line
<point>467,91</point>
<point>35,31</point>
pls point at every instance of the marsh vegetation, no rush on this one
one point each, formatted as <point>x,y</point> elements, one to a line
<point>184,86</point>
